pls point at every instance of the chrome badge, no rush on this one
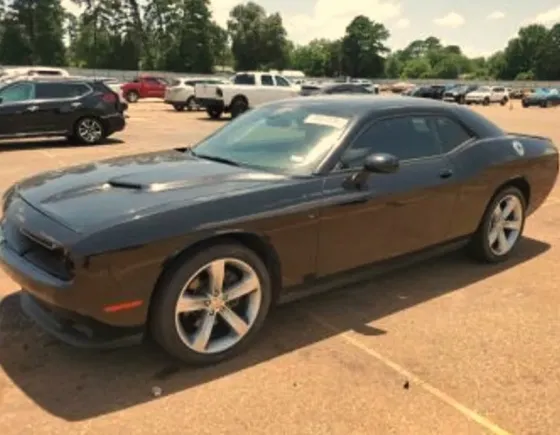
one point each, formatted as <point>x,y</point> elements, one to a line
<point>518,147</point>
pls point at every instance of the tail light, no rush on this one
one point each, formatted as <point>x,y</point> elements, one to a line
<point>110,98</point>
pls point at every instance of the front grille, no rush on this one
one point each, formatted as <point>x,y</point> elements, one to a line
<point>38,251</point>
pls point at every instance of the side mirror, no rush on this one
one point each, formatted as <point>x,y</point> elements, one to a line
<point>381,163</point>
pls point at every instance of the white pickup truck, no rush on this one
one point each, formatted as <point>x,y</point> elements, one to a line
<point>487,95</point>
<point>246,90</point>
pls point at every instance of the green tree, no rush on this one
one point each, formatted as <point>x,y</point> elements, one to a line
<point>363,48</point>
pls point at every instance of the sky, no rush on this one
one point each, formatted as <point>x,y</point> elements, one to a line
<point>479,27</point>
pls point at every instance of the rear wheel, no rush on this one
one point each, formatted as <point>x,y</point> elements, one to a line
<point>501,227</point>
<point>211,306</point>
<point>179,107</point>
<point>191,104</point>
<point>89,130</point>
<point>504,101</point>
<point>486,101</point>
<point>132,96</point>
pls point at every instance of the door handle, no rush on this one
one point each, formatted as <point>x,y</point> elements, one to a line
<point>32,108</point>
<point>445,173</point>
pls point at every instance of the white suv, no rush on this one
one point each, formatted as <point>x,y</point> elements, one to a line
<point>180,94</point>
<point>487,95</point>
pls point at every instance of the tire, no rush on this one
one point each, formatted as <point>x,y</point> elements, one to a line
<point>486,102</point>
<point>89,130</point>
<point>504,101</point>
<point>214,113</point>
<point>524,104</point>
<point>132,97</point>
<point>191,104</point>
<point>179,107</point>
<point>238,107</point>
<point>169,328</point>
<point>481,247</point>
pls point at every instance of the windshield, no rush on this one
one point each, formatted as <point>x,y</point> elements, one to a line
<point>483,89</point>
<point>288,138</point>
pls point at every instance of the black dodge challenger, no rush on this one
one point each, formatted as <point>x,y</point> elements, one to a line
<point>193,246</point>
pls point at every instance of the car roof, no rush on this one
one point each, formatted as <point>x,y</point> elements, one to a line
<point>361,105</point>
<point>57,80</point>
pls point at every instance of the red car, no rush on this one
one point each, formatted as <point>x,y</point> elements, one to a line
<point>144,87</point>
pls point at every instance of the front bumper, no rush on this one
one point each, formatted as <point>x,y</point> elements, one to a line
<point>85,287</point>
<point>76,330</point>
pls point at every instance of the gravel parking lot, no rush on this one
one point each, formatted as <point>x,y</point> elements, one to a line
<point>450,347</point>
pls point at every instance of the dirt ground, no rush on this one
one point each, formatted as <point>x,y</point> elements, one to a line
<point>449,347</point>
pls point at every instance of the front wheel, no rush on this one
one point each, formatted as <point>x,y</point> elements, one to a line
<point>179,107</point>
<point>486,102</point>
<point>501,227</point>
<point>211,306</point>
<point>504,101</point>
<point>89,131</point>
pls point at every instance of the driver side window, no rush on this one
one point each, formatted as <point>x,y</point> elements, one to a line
<point>18,93</point>
<point>407,137</point>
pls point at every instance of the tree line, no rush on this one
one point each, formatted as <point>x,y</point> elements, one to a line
<point>181,36</point>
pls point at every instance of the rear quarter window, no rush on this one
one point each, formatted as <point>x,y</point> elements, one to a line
<point>477,123</point>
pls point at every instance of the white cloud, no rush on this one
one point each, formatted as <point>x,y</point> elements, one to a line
<point>548,17</point>
<point>403,23</point>
<point>496,15</point>
<point>329,18</point>
<point>452,20</point>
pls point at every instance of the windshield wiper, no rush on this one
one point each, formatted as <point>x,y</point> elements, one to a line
<point>215,159</point>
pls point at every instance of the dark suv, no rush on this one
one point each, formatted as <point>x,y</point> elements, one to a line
<point>84,111</point>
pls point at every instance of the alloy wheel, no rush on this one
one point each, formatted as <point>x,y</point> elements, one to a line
<point>505,225</point>
<point>90,130</point>
<point>218,306</point>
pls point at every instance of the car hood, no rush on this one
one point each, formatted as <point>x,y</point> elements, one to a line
<point>108,192</point>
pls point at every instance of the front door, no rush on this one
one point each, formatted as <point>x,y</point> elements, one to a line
<point>392,214</point>
<point>16,100</point>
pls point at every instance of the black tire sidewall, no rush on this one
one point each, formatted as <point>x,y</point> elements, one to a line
<point>214,113</point>
<point>480,246</point>
<point>179,107</point>
<point>162,321</point>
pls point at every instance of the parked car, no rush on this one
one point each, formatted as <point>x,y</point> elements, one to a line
<point>194,245</point>
<point>488,95</point>
<point>247,90</point>
<point>542,97</point>
<point>180,92</point>
<point>144,87</point>
<point>84,111</point>
<point>434,92</point>
<point>458,93</point>
<point>338,88</point>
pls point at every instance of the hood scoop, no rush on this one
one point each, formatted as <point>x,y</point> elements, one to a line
<point>123,184</point>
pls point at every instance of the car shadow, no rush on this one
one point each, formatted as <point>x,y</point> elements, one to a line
<point>75,384</point>
<point>44,144</point>
<point>208,119</point>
